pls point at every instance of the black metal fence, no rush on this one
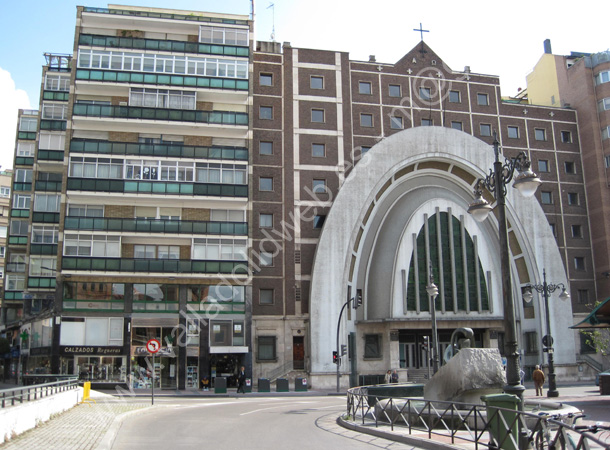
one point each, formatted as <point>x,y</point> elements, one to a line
<point>9,397</point>
<point>482,425</point>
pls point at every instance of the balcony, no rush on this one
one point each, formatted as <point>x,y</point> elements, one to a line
<point>159,150</point>
<point>157,15</point>
<point>19,186</point>
<point>186,266</point>
<point>43,249</point>
<point>50,155</point>
<point>45,217</point>
<point>24,161</point>
<point>27,135</point>
<point>48,186</point>
<point>161,79</point>
<point>15,267</point>
<point>56,96</point>
<point>173,115</point>
<point>53,125</point>
<point>41,282</point>
<point>20,213</point>
<point>157,187</point>
<point>140,225</point>
<point>162,45</point>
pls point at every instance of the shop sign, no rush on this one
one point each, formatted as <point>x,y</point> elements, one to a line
<point>40,351</point>
<point>163,351</point>
<point>90,350</point>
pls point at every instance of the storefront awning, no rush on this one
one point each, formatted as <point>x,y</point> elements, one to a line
<point>598,318</point>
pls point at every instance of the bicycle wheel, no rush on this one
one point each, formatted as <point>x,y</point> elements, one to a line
<point>540,442</point>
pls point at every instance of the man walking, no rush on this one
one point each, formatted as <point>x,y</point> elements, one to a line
<point>538,377</point>
<point>241,380</point>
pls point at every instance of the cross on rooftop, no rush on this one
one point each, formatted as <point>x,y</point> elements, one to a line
<point>421,32</point>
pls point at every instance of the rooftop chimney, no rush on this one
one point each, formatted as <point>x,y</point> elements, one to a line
<point>547,46</point>
<point>372,58</point>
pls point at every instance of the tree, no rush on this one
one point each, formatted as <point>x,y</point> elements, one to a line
<point>599,339</point>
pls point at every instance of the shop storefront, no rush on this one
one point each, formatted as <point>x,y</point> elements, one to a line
<point>163,367</point>
<point>98,364</point>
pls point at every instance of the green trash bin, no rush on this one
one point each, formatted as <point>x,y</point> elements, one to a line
<point>248,386</point>
<point>264,385</point>
<point>220,385</point>
<point>300,384</point>
<point>281,385</point>
<point>501,422</point>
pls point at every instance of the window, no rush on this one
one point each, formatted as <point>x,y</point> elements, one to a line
<point>569,167</point>
<point>602,77</point>
<point>19,227</point>
<point>51,141</point>
<point>162,98</point>
<point>482,99</point>
<point>607,161</point>
<point>566,137</point>
<point>265,184</point>
<point>396,123</point>
<point>364,87</point>
<point>553,229</point>
<point>54,111</point>
<point>3,231</point>
<point>546,197</point>
<point>21,201</point>
<point>56,82</point>
<point>455,97</point>
<point>319,186</point>
<point>266,296</point>
<point>457,125</point>
<point>394,90</point>
<point>266,259</point>
<point>220,215</point>
<point>47,202</point>
<point>5,191</point>
<point>43,266</point>
<point>156,251</point>
<point>223,35</point>
<point>266,348</point>
<point>573,198</point>
<point>317,115</point>
<point>265,148</point>
<point>318,221</point>
<point>15,282</point>
<point>372,346</point>
<point>583,296</point>
<point>318,150</point>
<point>25,148</point>
<point>45,234</point>
<point>221,173</point>
<point>604,105</point>
<point>316,82</point>
<point>266,220</point>
<point>220,249</point>
<point>531,343</point>
<point>485,129</point>
<point>543,165</point>
<point>365,149</point>
<point>579,263</point>
<point>427,122</point>
<point>23,176</point>
<point>92,245</point>
<point>109,168</point>
<point>265,113</point>
<point>85,210</point>
<point>540,134</point>
<point>28,124</point>
<point>2,251</point>
<point>265,79</point>
<point>513,132</point>
<point>576,231</point>
<point>366,120</point>
<point>424,94</point>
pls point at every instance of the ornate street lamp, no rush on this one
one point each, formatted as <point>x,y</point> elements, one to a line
<point>432,291</point>
<point>547,340</point>
<point>526,182</point>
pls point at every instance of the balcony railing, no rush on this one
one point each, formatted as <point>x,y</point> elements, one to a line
<point>56,96</point>
<point>161,150</point>
<point>15,267</point>
<point>141,225</point>
<point>153,265</point>
<point>29,135</point>
<point>161,79</point>
<point>174,115</point>
<point>43,249</point>
<point>50,155</point>
<point>41,282</point>
<point>45,217</point>
<point>24,161</point>
<point>19,186</point>
<point>20,212</point>
<point>217,307</point>
<point>190,17</point>
<point>157,187</point>
<point>51,186</point>
<point>161,45</point>
<point>53,125</point>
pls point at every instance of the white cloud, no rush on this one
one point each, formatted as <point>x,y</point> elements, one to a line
<point>13,99</point>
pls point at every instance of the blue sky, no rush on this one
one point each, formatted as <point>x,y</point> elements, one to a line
<point>498,38</point>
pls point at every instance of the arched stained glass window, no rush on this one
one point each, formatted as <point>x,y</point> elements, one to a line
<point>456,267</point>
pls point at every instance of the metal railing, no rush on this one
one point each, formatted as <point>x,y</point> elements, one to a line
<point>282,370</point>
<point>590,361</point>
<point>9,397</point>
<point>484,426</point>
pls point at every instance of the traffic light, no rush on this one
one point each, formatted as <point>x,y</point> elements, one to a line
<point>425,344</point>
<point>335,357</point>
<point>343,349</point>
<point>358,298</point>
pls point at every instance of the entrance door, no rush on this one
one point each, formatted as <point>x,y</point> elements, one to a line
<point>298,353</point>
<point>407,355</point>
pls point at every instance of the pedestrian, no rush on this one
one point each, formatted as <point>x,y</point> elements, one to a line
<point>394,376</point>
<point>388,377</point>
<point>241,380</point>
<point>538,377</point>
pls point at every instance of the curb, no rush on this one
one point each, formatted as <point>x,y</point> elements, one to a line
<point>107,440</point>
<point>404,439</point>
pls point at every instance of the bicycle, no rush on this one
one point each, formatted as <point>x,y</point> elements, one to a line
<point>561,432</point>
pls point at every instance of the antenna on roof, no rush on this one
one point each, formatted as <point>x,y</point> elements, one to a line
<point>272,6</point>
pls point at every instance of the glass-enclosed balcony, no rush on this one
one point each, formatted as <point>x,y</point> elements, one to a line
<point>141,225</point>
<point>27,135</point>
<point>50,186</point>
<point>174,115</point>
<point>45,217</point>
<point>50,155</point>
<point>41,282</point>
<point>153,265</point>
<point>161,150</point>
<point>43,249</point>
<point>56,96</point>
<point>157,187</point>
<point>169,80</point>
<point>24,161</point>
<point>53,125</point>
<point>20,212</point>
<point>162,45</point>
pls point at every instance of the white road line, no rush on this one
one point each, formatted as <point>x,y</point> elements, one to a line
<point>273,407</point>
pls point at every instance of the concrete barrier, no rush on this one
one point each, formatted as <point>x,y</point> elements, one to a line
<point>19,418</point>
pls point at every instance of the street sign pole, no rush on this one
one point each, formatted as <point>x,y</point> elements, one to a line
<point>153,347</point>
<point>152,393</point>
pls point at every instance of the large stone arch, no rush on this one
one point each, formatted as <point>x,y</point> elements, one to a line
<point>359,245</point>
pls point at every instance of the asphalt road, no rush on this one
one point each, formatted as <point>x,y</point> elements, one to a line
<point>244,423</point>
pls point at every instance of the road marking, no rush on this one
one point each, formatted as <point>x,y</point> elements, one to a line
<point>273,407</point>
